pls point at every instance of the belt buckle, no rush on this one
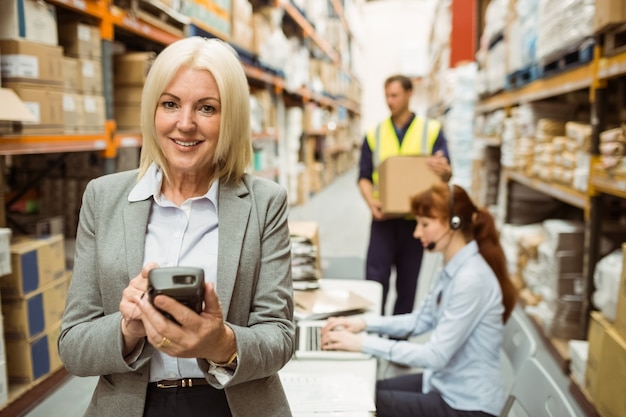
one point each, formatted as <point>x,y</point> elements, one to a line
<point>164,384</point>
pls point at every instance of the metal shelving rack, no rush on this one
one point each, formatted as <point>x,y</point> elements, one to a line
<point>593,76</point>
<point>111,18</point>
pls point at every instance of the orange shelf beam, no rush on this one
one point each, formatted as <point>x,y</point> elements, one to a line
<point>573,80</point>
<point>35,144</point>
<point>613,66</point>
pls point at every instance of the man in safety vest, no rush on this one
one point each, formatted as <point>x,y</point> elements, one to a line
<point>391,239</point>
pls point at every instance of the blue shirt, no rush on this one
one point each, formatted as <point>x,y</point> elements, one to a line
<point>366,161</point>
<point>461,360</point>
<point>178,236</point>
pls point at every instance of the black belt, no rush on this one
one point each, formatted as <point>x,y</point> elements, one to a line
<point>179,383</point>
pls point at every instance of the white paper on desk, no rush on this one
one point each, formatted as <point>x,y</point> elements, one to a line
<point>327,393</point>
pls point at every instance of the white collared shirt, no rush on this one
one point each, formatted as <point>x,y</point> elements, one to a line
<point>178,236</point>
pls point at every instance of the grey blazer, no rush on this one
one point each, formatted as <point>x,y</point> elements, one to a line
<point>253,283</point>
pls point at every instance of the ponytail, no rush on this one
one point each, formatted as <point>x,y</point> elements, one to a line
<point>488,240</point>
<point>476,223</point>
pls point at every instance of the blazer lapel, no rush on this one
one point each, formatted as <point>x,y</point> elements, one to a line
<point>233,214</point>
<point>135,225</point>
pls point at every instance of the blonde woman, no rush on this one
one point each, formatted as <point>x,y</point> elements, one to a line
<point>189,204</point>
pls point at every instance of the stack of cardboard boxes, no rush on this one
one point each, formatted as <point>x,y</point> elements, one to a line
<point>5,268</point>
<point>605,374</point>
<point>83,101</point>
<point>33,299</point>
<point>55,68</point>
<point>130,70</point>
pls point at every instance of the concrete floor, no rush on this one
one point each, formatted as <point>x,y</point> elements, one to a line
<point>343,220</point>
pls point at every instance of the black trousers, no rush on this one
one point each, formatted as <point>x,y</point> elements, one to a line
<point>392,244</point>
<point>197,401</point>
<point>402,397</point>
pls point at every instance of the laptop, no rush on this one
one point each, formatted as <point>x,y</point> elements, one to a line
<point>308,343</point>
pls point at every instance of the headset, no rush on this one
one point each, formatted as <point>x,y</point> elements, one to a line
<point>455,220</point>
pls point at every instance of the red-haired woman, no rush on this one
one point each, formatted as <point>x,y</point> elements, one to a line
<point>465,310</point>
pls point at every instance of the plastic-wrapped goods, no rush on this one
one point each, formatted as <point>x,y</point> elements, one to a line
<point>270,42</point>
<point>527,11</point>
<point>495,19</point>
<point>508,156</point>
<point>495,67</point>
<point>613,148</point>
<point>606,279</point>
<point>530,115</point>
<point>565,323</point>
<point>562,25</point>
<point>458,121</point>
<point>510,237</point>
<point>521,35</point>
<point>297,65</point>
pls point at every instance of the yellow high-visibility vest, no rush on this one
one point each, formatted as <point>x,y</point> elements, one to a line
<point>383,142</point>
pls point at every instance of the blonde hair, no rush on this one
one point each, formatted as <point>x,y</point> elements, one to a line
<point>234,149</point>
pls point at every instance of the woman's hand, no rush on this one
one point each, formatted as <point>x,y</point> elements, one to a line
<point>350,324</point>
<point>341,333</point>
<point>203,335</point>
<point>132,325</point>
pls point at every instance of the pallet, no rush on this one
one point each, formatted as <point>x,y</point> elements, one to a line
<point>567,59</point>
<point>522,77</point>
<point>615,40</point>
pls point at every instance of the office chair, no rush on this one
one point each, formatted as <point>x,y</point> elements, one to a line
<point>518,341</point>
<point>537,393</point>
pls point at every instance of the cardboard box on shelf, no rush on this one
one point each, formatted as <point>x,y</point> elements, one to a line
<point>127,117</point>
<point>620,312</point>
<point>35,262</point>
<point>5,251</point>
<point>46,105</point>
<point>608,13</point>
<point>29,19</point>
<point>12,108</point>
<point>128,95</point>
<point>71,75</point>
<point>28,360</point>
<point>400,178</point>
<point>4,384</point>
<point>73,112</point>
<point>94,113</point>
<point>90,73</point>
<point>598,327</point>
<point>26,61</point>
<point>132,68</point>
<point>610,400</point>
<point>80,40</point>
<point>27,317</point>
<point>3,352</point>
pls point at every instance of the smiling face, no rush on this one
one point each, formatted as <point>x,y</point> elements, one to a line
<point>187,123</point>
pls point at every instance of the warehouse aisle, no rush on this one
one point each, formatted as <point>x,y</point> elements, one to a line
<point>343,221</point>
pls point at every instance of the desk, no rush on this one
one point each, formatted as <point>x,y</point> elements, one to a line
<point>321,388</point>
